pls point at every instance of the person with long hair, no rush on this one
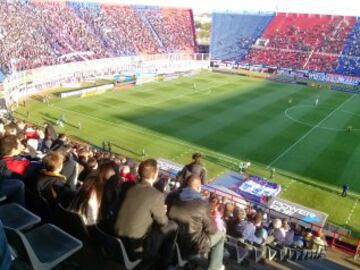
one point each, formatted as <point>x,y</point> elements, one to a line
<point>87,201</point>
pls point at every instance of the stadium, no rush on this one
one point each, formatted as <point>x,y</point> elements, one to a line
<point>139,136</point>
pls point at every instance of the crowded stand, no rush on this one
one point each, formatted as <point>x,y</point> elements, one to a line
<point>242,32</point>
<point>318,43</point>
<point>34,34</point>
<point>92,193</point>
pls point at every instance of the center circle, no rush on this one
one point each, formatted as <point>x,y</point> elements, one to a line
<point>289,113</point>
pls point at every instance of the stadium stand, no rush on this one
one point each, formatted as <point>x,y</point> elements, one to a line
<point>62,32</point>
<point>234,34</point>
<point>349,60</point>
<point>321,43</point>
<point>253,234</point>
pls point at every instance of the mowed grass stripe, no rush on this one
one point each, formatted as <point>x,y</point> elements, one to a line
<point>133,126</point>
<point>309,132</point>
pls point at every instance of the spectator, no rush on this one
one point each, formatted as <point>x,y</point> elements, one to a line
<point>319,242</point>
<point>59,142</point>
<point>195,168</point>
<point>249,229</point>
<point>197,234</point>
<point>216,215</point>
<point>141,221</point>
<point>126,174</point>
<point>237,226</point>
<point>49,183</point>
<point>13,166</point>
<point>87,200</point>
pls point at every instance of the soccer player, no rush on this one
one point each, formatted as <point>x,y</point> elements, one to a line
<point>60,122</point>
<point>194,86</point>
<point>317,100</point>
<point>272,172</point>
<point>349,128</point>
<point>79,125</point>
<point>345,190</point>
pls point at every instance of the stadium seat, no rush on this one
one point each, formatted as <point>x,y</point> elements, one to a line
<point>72,223</point>
<point>193,261</point>
<point>38,205</point>
<point>43,247</point>
<point>17,217</point>
<point>114,247</point>
<point>233,247</point>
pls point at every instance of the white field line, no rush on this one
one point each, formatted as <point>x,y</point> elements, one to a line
<point>309,132</point>
<point>352,211</point>
<point>290,183</point>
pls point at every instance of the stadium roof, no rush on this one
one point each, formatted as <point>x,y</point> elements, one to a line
<point>336,7</point>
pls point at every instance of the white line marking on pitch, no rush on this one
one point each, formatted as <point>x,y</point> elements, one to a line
<point>309,131</point>
<point>352,211</point>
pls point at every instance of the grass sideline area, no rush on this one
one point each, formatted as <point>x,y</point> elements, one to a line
<point>230,118</point>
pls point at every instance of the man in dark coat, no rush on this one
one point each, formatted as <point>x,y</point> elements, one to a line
<point>197,232</point>
<point>195,168</point>
<point>141,221</point>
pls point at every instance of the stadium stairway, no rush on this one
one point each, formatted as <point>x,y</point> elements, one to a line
<point>233,34</point>
<point>146,21</point>
<point>349,60</point>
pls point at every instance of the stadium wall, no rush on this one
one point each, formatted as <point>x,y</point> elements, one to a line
<point>26,83</point>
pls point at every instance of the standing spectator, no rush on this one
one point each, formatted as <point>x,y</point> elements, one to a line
<point>197,234</point>
<point>195,168</point>
<point>141,221</point>
<point>345,190</point>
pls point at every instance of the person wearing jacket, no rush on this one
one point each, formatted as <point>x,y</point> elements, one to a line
<point>49,183</point>
<point>197,233</point>
<point>195,168</point>
<point>141,222</point>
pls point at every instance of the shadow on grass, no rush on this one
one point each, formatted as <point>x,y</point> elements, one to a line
<point>126,149</point>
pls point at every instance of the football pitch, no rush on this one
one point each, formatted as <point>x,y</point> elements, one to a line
<point>231,118</point>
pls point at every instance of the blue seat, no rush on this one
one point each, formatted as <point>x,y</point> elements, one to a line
<point>43,247</point>
<point>17,217</point>
<point>114,247</point>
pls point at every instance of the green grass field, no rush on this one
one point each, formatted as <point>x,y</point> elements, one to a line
<point>231,118</point>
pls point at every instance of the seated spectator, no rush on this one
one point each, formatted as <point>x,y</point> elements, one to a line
<point>13,166</point>
<point>89,168</point>
<point>49,183</point>
<point>298,237</point>
<point>195,168</point>
<point>216,215</point>
<point>278,232</point>
<point>289,233</point>
<point>87,200</point>
<point>11,129</point>
<point>237,225</point>
<point>249,229</point>
<point>60,141</point>
<point>5,256</point>
<point>308,238</point>
<point>319,242</point>
<point>197,234</point>
<point>141,221</point>
<point>126,174</point>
